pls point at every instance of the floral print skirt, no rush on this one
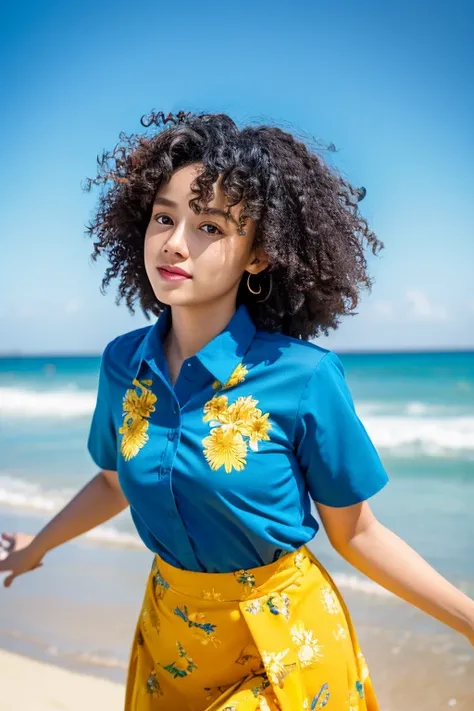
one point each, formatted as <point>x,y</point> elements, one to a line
<point>276,637</point>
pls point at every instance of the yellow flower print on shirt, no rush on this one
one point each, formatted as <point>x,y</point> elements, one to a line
<point>233,428</point>
<point>139,405</point>
<point>134,437</point>
<point>309,649</point>
<point>214,408</point>
<point>238,376</point>
<point>258,430</point>
<point>240,413</point>
<point>137,408</point>
<point>225,447</point>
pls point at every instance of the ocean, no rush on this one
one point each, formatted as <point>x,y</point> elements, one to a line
<point>417,407</point>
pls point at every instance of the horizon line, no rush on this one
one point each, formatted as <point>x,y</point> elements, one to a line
<point>373,351</point>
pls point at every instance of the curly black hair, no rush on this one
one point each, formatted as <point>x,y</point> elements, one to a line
<point>308,219</point>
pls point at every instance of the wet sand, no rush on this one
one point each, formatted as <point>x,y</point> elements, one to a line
<point>420,673</point>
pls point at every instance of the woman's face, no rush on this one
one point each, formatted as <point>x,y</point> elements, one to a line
<point>206,247</point>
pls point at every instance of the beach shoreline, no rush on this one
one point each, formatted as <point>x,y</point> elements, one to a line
<point>29,685</point>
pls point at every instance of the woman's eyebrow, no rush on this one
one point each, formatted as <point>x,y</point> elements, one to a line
<point>164,201</point>
<point>226,215</point>
<point>209,210</point>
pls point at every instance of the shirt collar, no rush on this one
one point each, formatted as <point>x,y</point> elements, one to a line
<point>220,356</point>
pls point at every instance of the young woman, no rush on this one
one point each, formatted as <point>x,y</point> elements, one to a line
<point>218,424</point>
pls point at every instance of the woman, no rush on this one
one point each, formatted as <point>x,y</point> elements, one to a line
<point>220,423</point>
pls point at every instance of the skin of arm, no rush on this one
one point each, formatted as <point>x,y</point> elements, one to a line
<point>100,500</point>
<point>378,553</point>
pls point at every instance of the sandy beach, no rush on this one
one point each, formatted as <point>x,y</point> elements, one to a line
<point>27,685</point>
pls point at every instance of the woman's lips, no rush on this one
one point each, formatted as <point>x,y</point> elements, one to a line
<point>172,275</point>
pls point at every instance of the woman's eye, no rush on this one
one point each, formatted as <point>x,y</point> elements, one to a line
<point>217,230</point>
<point>161,217</point>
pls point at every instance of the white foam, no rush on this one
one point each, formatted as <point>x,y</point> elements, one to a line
<point>432,436</point>
<point>362,585</point>
<point>418,428</point>
<point>112,536</point>
<point>65,403</point>
<point>412,408</point>
<point>23,495</point>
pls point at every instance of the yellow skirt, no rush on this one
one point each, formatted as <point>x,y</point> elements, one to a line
<point>276,637</point>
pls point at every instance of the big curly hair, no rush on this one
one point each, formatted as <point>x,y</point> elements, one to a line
<point>308,219</point>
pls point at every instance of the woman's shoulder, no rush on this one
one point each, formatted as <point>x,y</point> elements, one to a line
<point>288,352</point>
<point>126,348</point>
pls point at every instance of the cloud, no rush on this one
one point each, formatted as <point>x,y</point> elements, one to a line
<point>415,304</point>
<point>422,308</point>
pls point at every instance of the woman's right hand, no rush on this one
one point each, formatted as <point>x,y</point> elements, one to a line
<point>18,555</point>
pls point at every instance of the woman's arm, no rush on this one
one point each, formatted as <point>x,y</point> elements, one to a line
<point>377,552</point>
<point>97,502</point>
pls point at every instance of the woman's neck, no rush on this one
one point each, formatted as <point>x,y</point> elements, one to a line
<point>193,327</point>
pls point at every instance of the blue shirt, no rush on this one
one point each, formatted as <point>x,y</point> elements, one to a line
<point>220,470</point>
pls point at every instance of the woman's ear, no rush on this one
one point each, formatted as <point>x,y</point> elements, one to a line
<point>258,262</point>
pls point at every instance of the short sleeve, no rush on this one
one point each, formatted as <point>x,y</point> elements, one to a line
<point>340,462</point>
<point>102,441</point>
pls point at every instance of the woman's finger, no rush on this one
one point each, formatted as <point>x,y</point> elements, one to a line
<point>4,562</point>
<point>9,580</point>
<point>7,541</point>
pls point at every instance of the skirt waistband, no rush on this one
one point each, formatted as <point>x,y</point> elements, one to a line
<point>238,585</point>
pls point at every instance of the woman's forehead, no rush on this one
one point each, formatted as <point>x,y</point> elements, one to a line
<point>178,190</point>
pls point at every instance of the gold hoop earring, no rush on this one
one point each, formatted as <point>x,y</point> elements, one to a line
<point>250,288</point>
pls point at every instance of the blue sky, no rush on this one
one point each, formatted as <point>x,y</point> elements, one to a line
<point>390,84</point>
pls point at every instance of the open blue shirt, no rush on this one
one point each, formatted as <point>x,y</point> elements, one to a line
<point>220,470</point>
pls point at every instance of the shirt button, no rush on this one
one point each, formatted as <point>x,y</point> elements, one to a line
<point>172,434</point>
<point>170,513</point>
<point>175,408</point>
<point>166,471</point>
